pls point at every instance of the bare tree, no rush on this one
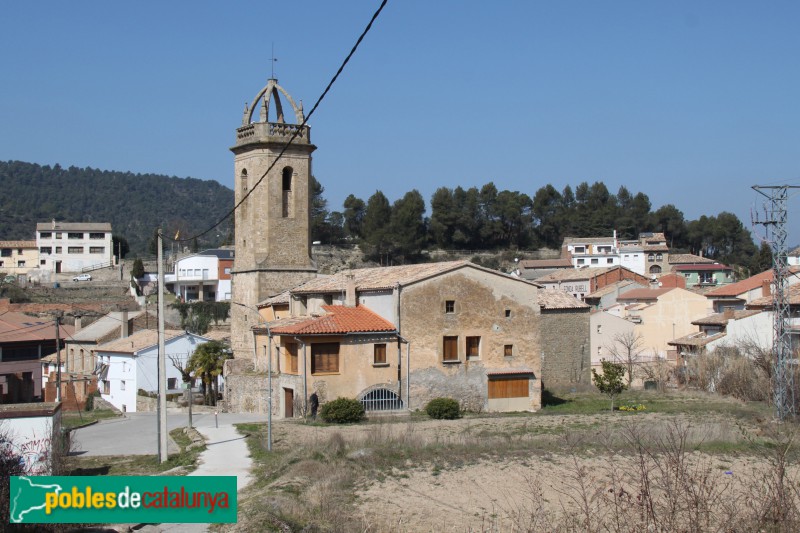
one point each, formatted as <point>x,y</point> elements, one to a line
<point>626,350</point>
<point>656,369</point>
<point>182,367</point>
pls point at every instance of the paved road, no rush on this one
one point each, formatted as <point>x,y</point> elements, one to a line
<point>226,452</point>
<point>137,433</point>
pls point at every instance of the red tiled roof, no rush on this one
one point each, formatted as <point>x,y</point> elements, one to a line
<point>18,327</point>
<point>338,320</point>
<point>753,282</point>
<point>740,287</point>
<point>644,294</point>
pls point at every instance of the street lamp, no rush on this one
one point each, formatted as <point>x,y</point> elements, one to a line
<point>269,368</point>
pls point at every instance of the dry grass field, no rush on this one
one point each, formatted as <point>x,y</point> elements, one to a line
<point>687,462</point>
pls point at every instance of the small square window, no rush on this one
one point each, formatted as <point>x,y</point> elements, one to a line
<point>595,261</point>
<point>122,385</point>
<point>580,261</point>
<point>508,313</point>
<point>508,350</point>
<point>599,328</point>
<point>450,306</point>
<point>610,261</point>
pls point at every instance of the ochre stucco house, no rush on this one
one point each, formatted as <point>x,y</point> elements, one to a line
<point>397,337</point>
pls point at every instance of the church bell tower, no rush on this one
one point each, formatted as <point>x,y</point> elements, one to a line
<point>272,223</point>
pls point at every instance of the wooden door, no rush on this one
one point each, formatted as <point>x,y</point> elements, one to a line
<point>288,401</point>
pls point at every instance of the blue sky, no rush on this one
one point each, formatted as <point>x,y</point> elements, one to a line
<point>689,102</point>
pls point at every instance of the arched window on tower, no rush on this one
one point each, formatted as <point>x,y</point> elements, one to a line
<point>287,210</point>
<point>244,189</point>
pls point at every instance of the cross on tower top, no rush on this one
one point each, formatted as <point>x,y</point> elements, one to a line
<point>272,62</point>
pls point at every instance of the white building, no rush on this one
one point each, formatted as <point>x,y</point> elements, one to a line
<point>647,256</point>
<point>131,363</point>
<point>204,276</point>
<point>73,246</point>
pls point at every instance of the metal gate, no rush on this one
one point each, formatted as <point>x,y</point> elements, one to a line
<point>381,400</point>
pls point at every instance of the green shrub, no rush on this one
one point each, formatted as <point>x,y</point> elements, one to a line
<point>90,400</point>
<point>443,409</point>
<point>342,411</point>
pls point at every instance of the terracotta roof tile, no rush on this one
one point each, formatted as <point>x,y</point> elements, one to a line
<point>338,320</point>
<point>138,341</point>
<point>19,327</point>
<point>696,339</point>
<point>556,299</point>
<point>740,287</point>
<point>574,273</point>
<point>719,319</point>
<point>278,299</point>
<point>383,278</point>
<point>704,267</point>
<point>17,244</point>
<point>563,262</point>
<point>766,301</point>
<point>688,259</point>
<point>608,289</point>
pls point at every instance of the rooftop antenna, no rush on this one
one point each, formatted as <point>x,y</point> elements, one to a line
<point>272,62</point>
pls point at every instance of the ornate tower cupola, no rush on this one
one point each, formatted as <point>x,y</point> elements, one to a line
<point>272,223</point>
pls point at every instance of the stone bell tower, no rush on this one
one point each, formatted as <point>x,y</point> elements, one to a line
<point>273,230</point>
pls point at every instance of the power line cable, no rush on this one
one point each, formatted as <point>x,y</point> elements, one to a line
<point>296,131</point>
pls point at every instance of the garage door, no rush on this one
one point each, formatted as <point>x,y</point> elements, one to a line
<point>508,387</point>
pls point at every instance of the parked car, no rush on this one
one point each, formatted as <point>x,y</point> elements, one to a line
<point>82,277</point>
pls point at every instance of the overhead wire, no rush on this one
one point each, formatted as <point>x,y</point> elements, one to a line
<point>296,131</point>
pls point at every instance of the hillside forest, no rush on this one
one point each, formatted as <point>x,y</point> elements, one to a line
<point>490,219</point>
<point>134,204</point>
<point>402,231</point>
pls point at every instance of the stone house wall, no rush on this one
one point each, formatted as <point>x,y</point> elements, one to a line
<point>566,362</point>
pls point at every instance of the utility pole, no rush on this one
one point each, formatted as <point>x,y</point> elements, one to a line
<point>162,363</point>
<point>57,320</point>
<point>783,358</point>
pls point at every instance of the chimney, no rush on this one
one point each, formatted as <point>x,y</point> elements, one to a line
<point>78,319</point>
<point>350,290</point>
<point>123,328</point>
<point>766,288</point>
<point>54,223</point>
